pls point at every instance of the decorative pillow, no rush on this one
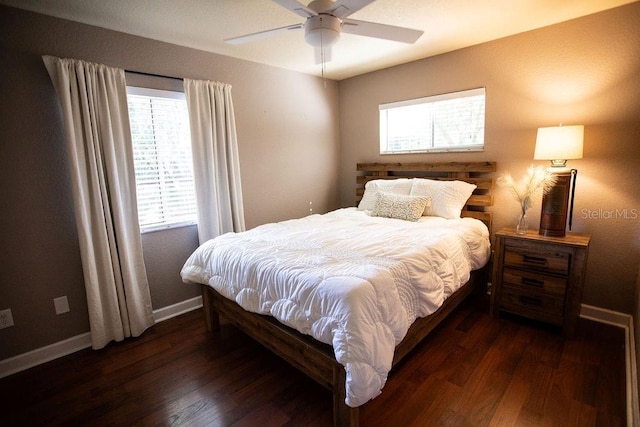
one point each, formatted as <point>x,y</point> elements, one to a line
<point>394,186</point>
<point>447,197</point>
<point>399,206</point>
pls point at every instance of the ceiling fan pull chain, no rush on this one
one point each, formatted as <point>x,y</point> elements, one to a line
<point>322,59</point>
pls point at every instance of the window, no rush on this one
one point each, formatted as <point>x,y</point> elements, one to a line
<point>162,158</point>
<point>448,122</point>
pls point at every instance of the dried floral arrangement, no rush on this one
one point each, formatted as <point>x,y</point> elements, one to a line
<point>524,191</point>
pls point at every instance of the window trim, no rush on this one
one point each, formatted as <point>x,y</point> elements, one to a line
<point>154,228</point>
<point>171,94</point>
<point>158,93</point>
<point>423,100</point>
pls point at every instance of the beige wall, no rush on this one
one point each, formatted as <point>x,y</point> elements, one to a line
<point>585,71</point>
<point>287,126</point>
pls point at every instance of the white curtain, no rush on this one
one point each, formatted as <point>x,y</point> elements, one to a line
<point>215,158</point>
<point>98,137</point>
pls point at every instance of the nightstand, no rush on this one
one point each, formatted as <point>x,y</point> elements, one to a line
<point>540,277</point>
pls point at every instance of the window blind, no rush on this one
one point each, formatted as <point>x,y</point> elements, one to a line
<point>162,157</point>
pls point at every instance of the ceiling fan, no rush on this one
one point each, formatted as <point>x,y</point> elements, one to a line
<point>325,20</point>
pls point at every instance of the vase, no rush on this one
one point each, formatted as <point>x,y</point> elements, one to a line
<point>523,225</point>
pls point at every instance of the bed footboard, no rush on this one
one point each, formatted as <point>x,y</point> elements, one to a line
<point>312,357</point>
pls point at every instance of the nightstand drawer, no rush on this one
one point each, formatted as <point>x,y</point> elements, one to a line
<point>535,282</point>
<point>552,262</point>
<point>535,305</point>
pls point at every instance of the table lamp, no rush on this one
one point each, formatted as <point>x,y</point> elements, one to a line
<point>558,144</point>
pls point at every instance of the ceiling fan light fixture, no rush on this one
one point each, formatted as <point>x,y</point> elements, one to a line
<point>322,30</point>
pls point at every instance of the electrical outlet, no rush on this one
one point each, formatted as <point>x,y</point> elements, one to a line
<point>6,318</point>
<point>61,305</point>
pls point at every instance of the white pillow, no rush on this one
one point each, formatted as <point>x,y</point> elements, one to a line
<point>399,206</point>
<point>447,197</point>
<point>394,186</point>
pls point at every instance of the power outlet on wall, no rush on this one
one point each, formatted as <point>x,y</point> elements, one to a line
<point>6,318</point>
<point>61,305</point>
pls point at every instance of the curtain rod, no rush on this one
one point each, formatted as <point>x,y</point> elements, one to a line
<point>153,75</point>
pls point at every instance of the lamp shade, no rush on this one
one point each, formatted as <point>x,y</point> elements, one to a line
<point>559,143</point>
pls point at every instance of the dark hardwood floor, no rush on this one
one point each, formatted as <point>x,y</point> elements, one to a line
<point>473,370</point>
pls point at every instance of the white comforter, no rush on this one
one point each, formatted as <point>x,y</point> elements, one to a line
<point>350,280</point>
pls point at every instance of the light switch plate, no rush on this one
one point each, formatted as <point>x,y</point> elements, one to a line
<point>61,304</point>
<point>6,318</point>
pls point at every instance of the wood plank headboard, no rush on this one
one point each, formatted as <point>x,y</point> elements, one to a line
<point>477,173</point>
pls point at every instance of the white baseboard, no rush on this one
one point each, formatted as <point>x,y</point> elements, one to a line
<point>602,315</point>
<point>624,321</point>
<point>633,400</point>
<point>44,354</point>
<point>165,313</point>
<point>79,342</point>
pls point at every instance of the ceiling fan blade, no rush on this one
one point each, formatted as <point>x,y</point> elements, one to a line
<point>381,31</point>
<point>262,34</point>
<point>322,55</point>
<point>296,7</point>
<point>344,8</point>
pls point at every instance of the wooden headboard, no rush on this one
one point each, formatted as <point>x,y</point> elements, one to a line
<point>478,173</point>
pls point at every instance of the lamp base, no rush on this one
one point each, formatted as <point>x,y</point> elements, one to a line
<point>553,218</point>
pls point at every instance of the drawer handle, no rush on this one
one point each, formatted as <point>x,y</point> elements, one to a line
<point>534,260</point>
<point>530,300</point>
<point>531,282</point>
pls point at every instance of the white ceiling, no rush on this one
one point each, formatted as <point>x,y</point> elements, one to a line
<point>203,24</point>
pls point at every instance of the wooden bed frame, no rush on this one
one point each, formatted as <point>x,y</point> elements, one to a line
<point>316,359</point>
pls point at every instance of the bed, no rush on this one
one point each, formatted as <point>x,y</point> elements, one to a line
<point>346,295</point>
